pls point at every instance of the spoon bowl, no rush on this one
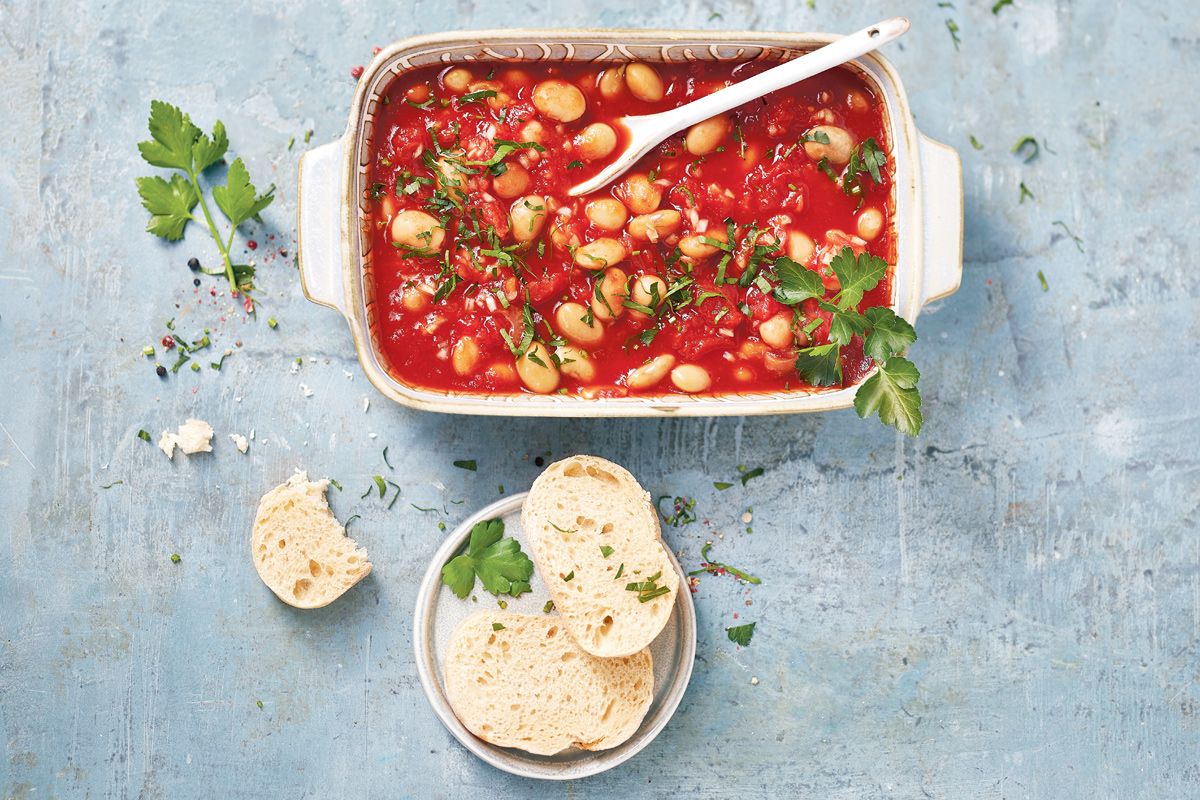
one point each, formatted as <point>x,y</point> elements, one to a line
<point>645,131</point>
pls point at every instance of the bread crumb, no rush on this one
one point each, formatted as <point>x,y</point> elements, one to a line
<point>193,436</point>
<point>747,518</point>
<point>241,442</point>
<point>754,681</point>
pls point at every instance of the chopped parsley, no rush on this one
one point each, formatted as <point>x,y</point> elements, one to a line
<point>605,550</point>
<point>750,474</point>
<point>143,435</point>
<point>717,568</point>
<point>1027,143</point>
<point>741,634</point>
<point>496,626</point>
<point>648,589</point>
<point>469,465</point>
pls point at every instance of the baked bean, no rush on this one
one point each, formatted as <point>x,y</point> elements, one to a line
<point>690,378</point>
<point>643,82</point>
<point>841,144</point>
<point>705,137</point>
<point>448,177</point>
<point>497,101</point>
<point>612,82</point>
<point>561,236</point>
<point>533,131</point>
<point>538,377</point>
<point>572,321</point>
<point>655,225</point>
<point>576,363</point>
<point>501,371</point>
<point>596,141</point>
<point>776,332</point>
<point>870,223</point>
<point>457,80</point>
<point>559,100</point>
<point>648,291</point>
<point>417,230</point>
<point>694,245</point>
<point>464,356</point>
<point>414,300</point>
<point>776,362</point>
<point>527,217</point>
<point>640,194</point>
<point>800,247</point>
<point>612,293</point>
<point>607,213</point>
<point>603,252</point>
<point>513,182</point>
<point>650,373</point>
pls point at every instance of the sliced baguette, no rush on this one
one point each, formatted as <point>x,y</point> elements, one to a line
<point>577,507</point>
<point>300,550</point>
<point>519,680</point>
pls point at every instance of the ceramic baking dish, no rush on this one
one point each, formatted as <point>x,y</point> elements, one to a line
<point>335,257</point>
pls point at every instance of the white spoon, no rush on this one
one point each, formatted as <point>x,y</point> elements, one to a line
<point>647,130</point>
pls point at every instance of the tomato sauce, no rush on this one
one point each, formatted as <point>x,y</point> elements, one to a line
<point>489,279</point>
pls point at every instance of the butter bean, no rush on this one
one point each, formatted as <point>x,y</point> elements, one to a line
<point>691,378</point>
<point>649,374</point>
<point>596,141</point>
<point>464,356</point>
<point>612,293</point>
<point>542,377</point>
<point>527,217</point>
<point>604,252</point>
<point>559,100</point>
<point>417,230</point>
<point>640,194</point>
<point>644,82</point>
<point>705,137</point>
<point>838,150</point>
<point>655,225</point>
<point>574,322</point>
<point>607,213</point>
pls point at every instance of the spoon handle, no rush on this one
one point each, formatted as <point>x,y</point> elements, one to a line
<point>831,55</point>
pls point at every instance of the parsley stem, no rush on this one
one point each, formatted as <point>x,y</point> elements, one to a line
<point>212,229</point>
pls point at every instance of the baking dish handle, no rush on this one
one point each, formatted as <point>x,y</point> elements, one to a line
<point>941,181</point>
<point>318,219</point>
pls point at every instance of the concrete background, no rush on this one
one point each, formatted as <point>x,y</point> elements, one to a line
<point>1005,607</point>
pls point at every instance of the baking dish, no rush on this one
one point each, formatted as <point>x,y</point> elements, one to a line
<point>335,257</point>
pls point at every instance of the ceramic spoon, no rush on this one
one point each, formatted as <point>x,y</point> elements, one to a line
<point>647,130</point>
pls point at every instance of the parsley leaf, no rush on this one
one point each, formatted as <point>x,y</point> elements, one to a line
<point>498,562</point>
<point>173,135</point>
<point>741,634</point>
<point>170,204</point>
<point>238,199</point>
<point>856,276</point>
<point>820,365</point>
<point>892,393</point>
<point>797,283</point>
<point>890,334</point>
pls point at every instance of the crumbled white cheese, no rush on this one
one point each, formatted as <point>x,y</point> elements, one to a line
<point>304,390</point>
<point>754,681</point>
<point>241,442</point>
<point>193,436</point>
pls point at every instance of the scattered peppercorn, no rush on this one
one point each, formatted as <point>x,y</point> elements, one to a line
<point>195,281</point>
<point>194,264</point>
<point>539,461</point>
<point>168,341</point>
<point>356,73</point>
<point>253,245</point>
<point>160,370</point>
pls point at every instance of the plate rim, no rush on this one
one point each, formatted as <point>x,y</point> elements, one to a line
<point>596,761</point>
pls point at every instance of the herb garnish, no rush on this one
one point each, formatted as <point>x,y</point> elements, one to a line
<point>721,486</point>
<point>605,550</point>
<point>741,634</point>
<point>1025,193</point>
<point>1074,238</point>
<point>717,568</point>
<point>546,609</point>
<point>683,507</point>
<point>750,474</point>
<point>496,626</point>
<point>498,562</point>
<point>1027,142</point>
<point>143,435</point>
<point>467,465</point>
<point>570,575</point>
<point>177,144</point>
<point>1000,4</point>
<point>648,589</point>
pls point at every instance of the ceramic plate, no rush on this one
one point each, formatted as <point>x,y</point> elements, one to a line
<point>438,612</point>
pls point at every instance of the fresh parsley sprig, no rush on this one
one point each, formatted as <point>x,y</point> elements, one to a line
<point>176,143</point>
<point>497,560</point>
<point>892,391</point>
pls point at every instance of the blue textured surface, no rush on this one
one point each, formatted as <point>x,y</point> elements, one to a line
<point>1008,606</point>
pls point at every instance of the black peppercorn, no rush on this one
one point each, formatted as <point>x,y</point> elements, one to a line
<point>195,281</point>
<point>194,264</point>
<point>539,461</point>
<point>161,371</point>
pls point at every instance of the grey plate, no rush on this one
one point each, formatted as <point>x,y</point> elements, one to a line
<point>438,612</point>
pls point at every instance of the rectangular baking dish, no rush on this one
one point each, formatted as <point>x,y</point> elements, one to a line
<point>334,252</point>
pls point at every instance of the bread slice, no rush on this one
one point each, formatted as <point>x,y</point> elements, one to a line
<point>579,510</point>
<point>300,550</point>
<point>519,680</point>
